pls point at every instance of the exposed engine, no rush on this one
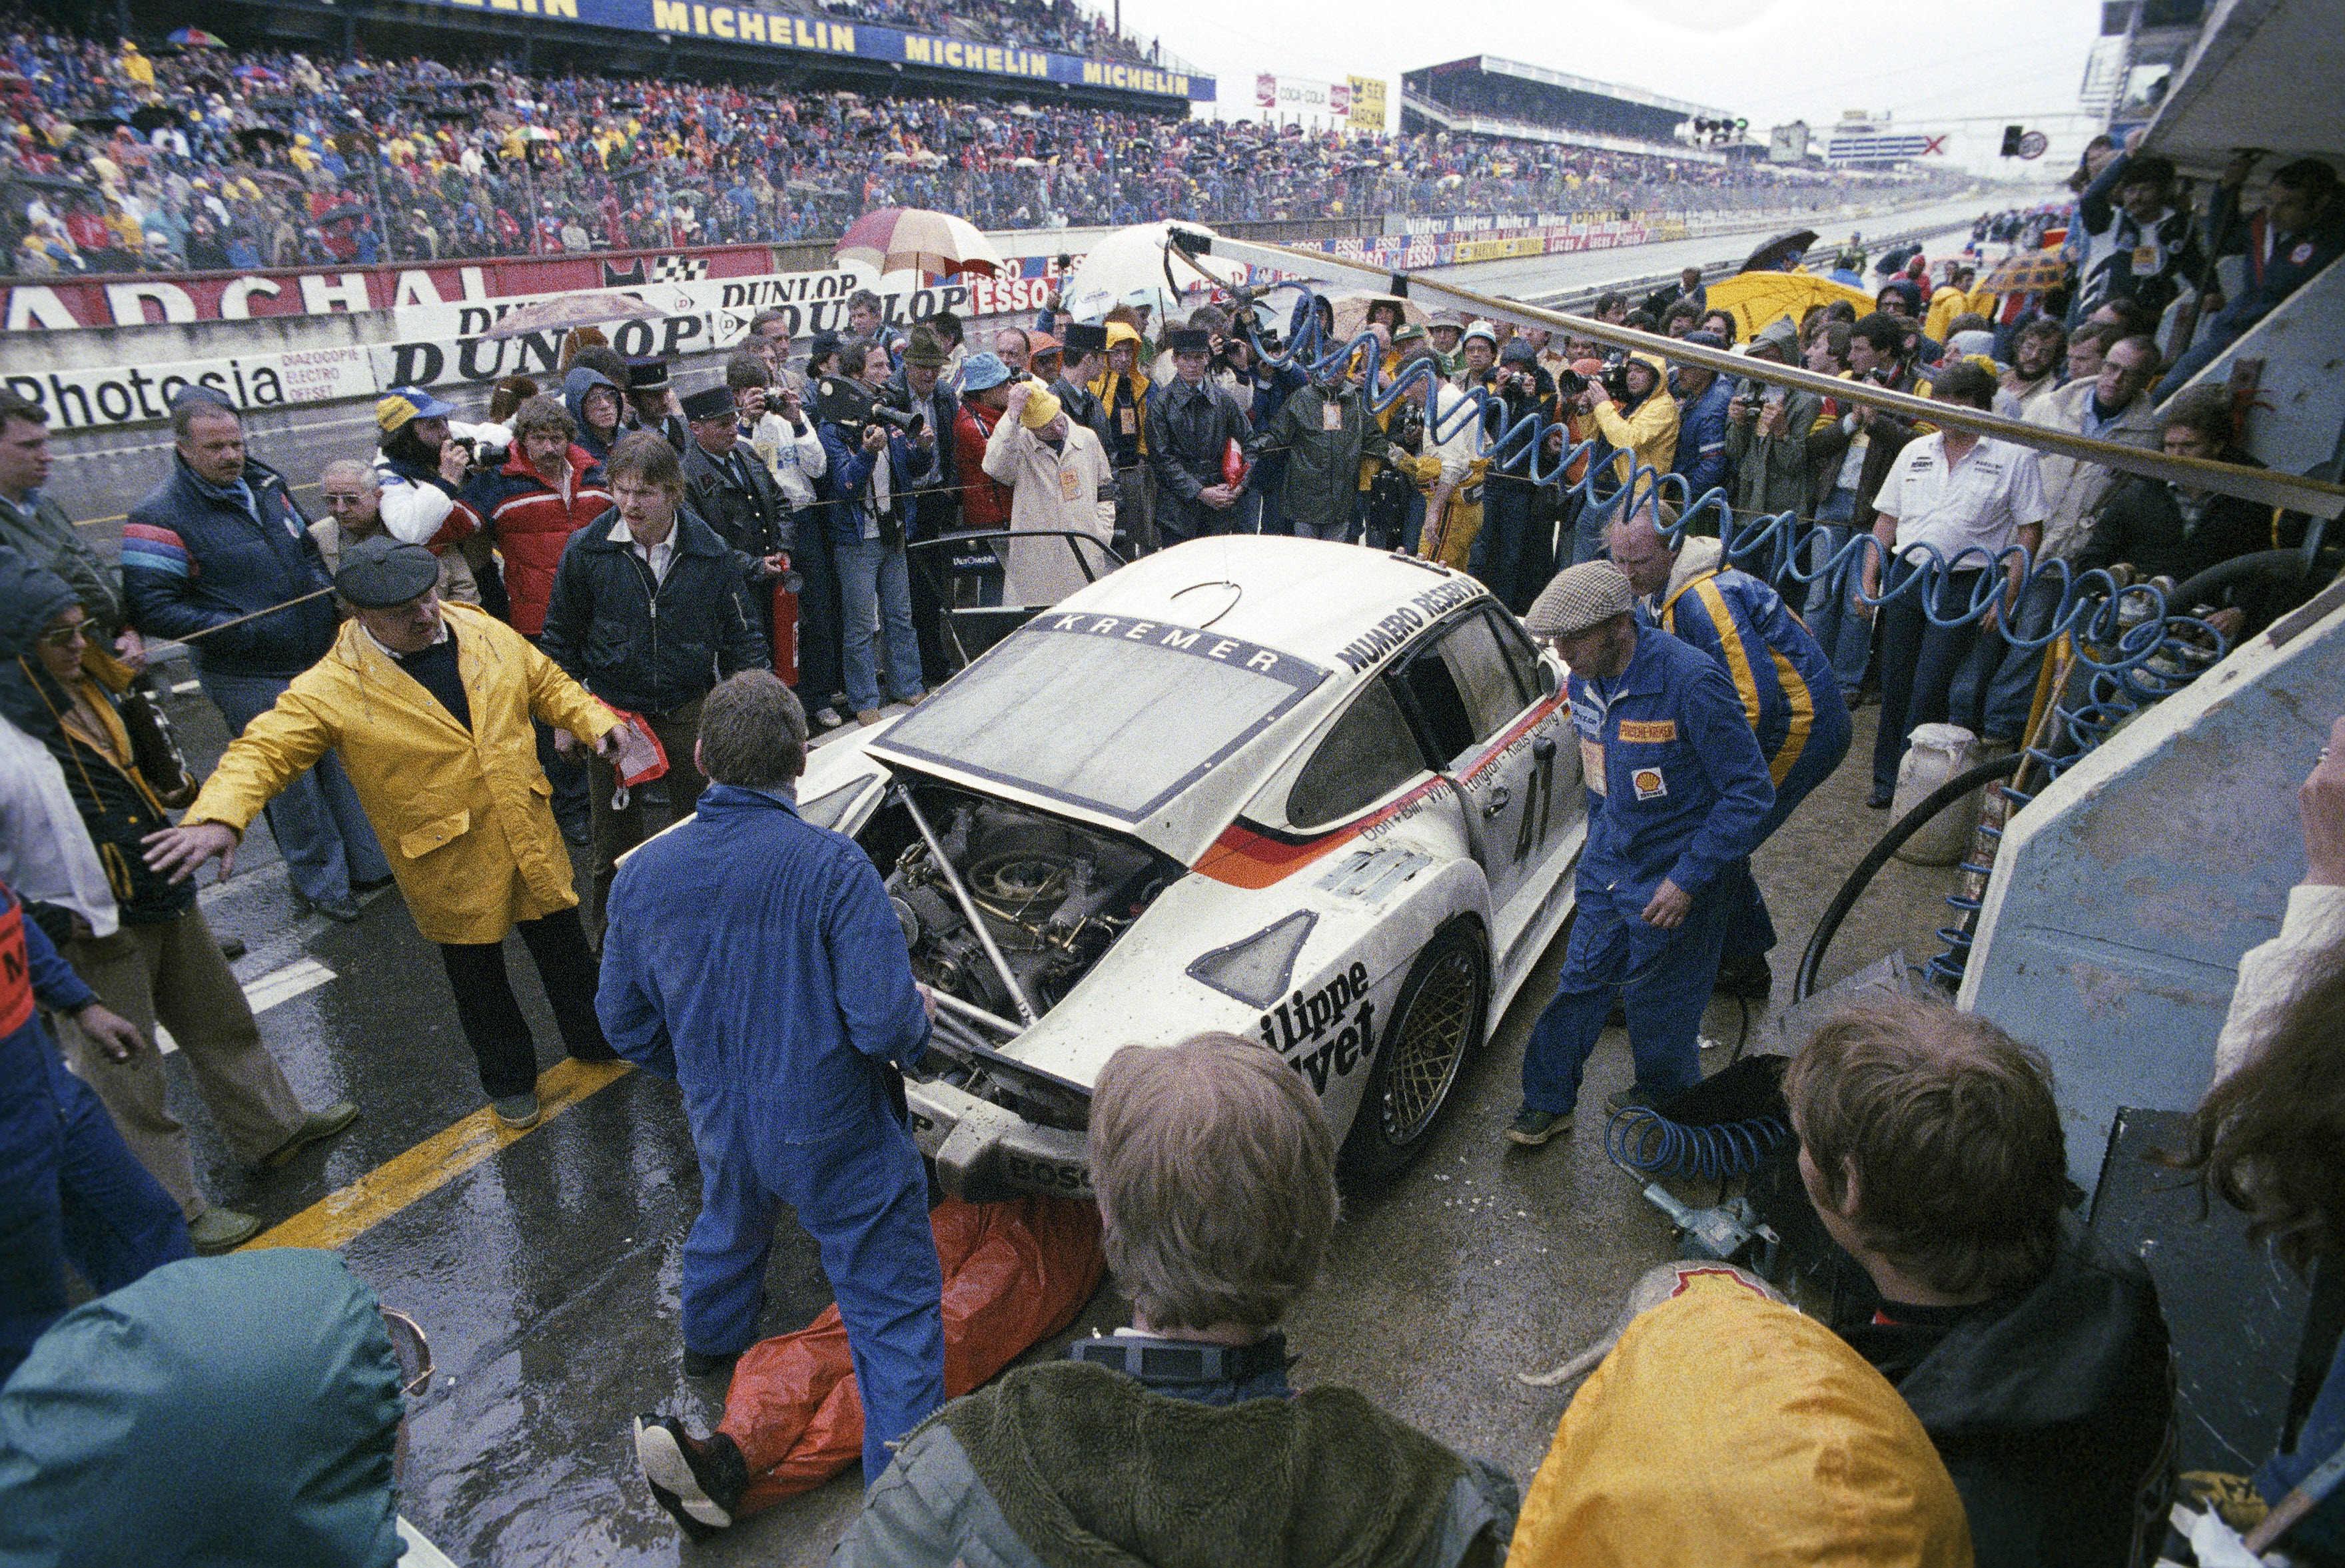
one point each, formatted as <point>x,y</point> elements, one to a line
<point>1053,895</point>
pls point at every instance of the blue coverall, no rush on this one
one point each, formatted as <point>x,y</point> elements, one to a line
<point>1685,792</point>
<point>1790,696</point>
<point>70,1190</point>
<point>753,957</point>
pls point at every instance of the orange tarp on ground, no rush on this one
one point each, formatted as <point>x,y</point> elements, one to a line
<point>1015,1273</point>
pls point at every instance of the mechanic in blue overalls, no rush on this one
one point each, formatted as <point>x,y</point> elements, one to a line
<point>1684,789</point>
<point>1789,695</point>
<point>753,957</point>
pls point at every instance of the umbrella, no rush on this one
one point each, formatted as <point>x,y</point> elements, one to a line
<point>256,74</point>
<point>896,157</point>
<point>1139,265</point>
<point>195,38</point>
<point>1352,311</point>
<point>580,307</point>
<point>1781,253</point>
<point>1025,163</point>
<point>102,125</point>
<point>2027,272</point>
<point>154,118</point>
<point>255,136</point>
<point>1757,299</point>
<point>912,239</point>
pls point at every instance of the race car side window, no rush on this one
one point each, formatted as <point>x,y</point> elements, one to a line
<point>1530,673</point>
<point>1462,687</point>
<point>1370,752</point>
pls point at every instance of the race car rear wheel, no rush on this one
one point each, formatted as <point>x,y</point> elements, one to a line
<point>1437,1020</point>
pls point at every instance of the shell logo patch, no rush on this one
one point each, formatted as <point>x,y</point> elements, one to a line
<point>1649,783</point>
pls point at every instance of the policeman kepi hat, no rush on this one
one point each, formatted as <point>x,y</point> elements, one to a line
<point>647,374</point>
<point>1189,341</point>
<point>1581,596</point>
<point>1084,338</point>
<point>709,403</point>
<point>402,404</point>
<point>381,571</point>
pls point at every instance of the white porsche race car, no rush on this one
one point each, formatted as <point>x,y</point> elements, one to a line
<point>1307,793</point>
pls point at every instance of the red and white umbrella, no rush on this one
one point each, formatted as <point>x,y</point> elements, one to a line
<point>914,239</point>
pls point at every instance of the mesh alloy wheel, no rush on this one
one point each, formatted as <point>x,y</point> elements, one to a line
<point>1429,1046</point>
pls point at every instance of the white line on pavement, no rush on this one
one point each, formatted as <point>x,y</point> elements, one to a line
<point>277,986</point>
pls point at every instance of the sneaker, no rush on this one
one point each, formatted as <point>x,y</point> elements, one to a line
<point>867,717</point>
<point>1631,1097</point>
<point>1751,979</point>
<point>315,1128</point>
<point>699,1481</point>
<point>217,1231</point>
<point>519,1112</point>
<point>1879,798</point>
<point>829,719</point>
<point>1532,1126</point>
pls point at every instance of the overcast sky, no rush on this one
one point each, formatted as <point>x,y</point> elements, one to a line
<point>1767,60</point>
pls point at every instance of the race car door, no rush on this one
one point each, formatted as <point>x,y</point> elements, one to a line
<point>1476,716</point>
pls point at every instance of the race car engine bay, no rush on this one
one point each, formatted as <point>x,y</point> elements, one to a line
<point>1053,897</point>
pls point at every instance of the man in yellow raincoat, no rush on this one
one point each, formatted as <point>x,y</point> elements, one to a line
<point>430,705</point>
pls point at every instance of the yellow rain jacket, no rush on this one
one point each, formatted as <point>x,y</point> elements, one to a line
<point>1651,433</point>
<point>1729,1431</point>
<point>463,817</point>
<point>1104,386</point>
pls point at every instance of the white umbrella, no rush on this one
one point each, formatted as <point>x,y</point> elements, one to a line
<point>1139,265</point>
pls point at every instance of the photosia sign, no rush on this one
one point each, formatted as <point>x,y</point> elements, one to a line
<point>777,30</point>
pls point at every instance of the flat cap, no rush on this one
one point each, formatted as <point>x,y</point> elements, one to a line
<point>381,571</point>
<point>1581,596</point>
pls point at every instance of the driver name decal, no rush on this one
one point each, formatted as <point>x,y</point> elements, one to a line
<point>1189,640</point>
<point>1406,622</point>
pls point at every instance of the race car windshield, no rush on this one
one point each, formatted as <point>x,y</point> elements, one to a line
<point>1109,713</point>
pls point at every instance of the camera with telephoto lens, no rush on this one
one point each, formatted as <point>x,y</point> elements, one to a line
<point>1615,381</point>
<point>1568,383</point>
<point>855,407</point>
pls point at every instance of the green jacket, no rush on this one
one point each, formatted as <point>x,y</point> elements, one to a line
<point>227,1411</point>
<point>1074,1466</point>
<point>1322,465</point>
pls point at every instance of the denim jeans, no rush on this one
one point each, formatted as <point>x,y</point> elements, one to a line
<point>875,595</point>
<point>319,827</point>
<point>2009,673</point>
<point>1846,636</point>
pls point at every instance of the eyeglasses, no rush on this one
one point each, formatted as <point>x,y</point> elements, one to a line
<point>65,636</point>
<point>412,1351</point>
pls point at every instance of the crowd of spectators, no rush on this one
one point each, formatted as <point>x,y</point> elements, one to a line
<point>118,160</point>
<point>1058,26</point>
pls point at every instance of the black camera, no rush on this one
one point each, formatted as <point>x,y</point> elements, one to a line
<point>854,407</point>
<point>1568,383</point>
<point>1615,381</point>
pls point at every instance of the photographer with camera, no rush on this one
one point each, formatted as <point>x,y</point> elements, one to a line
<point>879,455</point>
<point>1767,428</point>
<point>1638,420</point>
<point>426,459</point>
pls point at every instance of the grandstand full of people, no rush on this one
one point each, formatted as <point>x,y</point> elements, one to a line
<point>220,158</point>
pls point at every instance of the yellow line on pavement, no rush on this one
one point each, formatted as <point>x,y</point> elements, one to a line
<point>335,1219</point>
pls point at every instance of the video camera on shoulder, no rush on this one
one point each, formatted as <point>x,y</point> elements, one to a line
<point>854,407</point>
